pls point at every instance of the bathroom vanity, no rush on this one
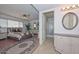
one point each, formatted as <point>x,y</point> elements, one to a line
<point>66,45</point>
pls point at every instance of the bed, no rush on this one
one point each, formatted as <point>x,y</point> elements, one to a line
<point>15,32</point>
<point>17,35</point>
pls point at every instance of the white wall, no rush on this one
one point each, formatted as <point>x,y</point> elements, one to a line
<point>58,28</point>
<point>42,27</point>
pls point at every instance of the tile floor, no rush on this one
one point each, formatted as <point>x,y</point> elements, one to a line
<point>46,48</point>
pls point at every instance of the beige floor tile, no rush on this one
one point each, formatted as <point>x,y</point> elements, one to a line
<point>46,48</point>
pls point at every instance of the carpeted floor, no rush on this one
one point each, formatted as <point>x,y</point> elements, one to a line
<point>20,48</point>
<point>12,46</point>
<point>5,43</point>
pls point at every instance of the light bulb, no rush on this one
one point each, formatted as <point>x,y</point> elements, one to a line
<point>68,7</point>
<point>63,8</point>
<point>78,5</point>
<point>73,6</point>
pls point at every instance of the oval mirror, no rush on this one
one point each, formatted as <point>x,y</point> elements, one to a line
<point>70,21</point>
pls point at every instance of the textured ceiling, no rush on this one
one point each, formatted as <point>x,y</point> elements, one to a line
<point>41,7</point>
<point>17,10</point>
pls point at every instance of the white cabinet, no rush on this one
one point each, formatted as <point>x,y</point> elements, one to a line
<point>57,43</point>
<point>66,45</point>
<point>75,45</point>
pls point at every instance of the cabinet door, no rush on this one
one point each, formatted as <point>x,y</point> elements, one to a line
<point>66,42</point>
<point>58,43</point>
<point>63,44</point>
<point>75,45</point>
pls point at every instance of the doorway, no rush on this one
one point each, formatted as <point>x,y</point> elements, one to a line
<point>49,25</point>
<point>46,28</point>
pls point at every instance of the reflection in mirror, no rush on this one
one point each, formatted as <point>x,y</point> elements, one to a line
<point>13,18</point>
<point>70,20</point>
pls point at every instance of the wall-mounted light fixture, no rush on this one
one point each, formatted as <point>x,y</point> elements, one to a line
<point>24,16</point>
<point>35,26</point>
<point>70,7</point>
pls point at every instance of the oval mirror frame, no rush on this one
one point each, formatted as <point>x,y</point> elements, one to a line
<point>75,23</point>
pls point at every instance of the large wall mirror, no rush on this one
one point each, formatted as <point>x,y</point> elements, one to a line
<point>70,20</point>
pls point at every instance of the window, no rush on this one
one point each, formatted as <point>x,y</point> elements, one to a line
<point>20,24</point>
<point>3,23</point>
<point>12,23</point>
